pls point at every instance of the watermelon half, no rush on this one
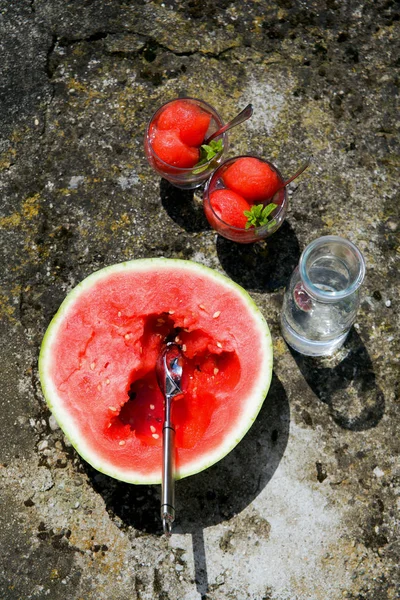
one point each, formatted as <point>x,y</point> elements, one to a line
<point>97,366</point>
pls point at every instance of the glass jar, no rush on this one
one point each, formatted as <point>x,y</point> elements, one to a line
<point>321,301</point>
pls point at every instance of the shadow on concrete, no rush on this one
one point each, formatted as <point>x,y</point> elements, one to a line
<point>182,207</point>
<point>348,387</point>
<point>214,495</point>
<point>264,266</point>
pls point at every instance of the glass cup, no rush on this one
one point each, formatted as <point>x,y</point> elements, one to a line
<point>186,178</point>
<point>321,301</point>
<point>240,234</point>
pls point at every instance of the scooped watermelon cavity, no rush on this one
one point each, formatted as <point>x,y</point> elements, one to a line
<point>97,366</point>
<point>230,206</point>
<point>252,178</point>
<point>191,121</point>
<point>168,145</point>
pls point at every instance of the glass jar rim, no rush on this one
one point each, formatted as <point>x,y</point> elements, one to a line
<point>325,295</point>
<point>205,165</point>
<point>282,208</point>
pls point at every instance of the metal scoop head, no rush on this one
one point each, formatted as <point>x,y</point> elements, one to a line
<point>169,370</point>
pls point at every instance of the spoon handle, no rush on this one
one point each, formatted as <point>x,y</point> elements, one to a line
<point>242,116</point>
<point>299,172</point>
<point>168,477</point>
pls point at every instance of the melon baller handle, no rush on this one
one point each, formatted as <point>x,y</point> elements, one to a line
<point>169,373</point>
<point>168,471</point>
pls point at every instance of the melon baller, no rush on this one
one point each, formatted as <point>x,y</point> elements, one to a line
<point>169,374</point>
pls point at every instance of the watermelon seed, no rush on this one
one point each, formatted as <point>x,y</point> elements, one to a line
<point>92,366</point>
<point>152,407</point>
<point>155,436</point>
<point>152,429</point>
<point>160,320</point>
<point>122,443</point>
<point>184,347</point>
<point>107,381</point>
<point>127,336</point>
<point>219,344</point>
<point>216,370</point>
<point>141,350</point>
<point>99,387</point>
<point>112,408</point>
<point>171,312</point>
<point>119,313</point>
<point>177,339</point>
<point>216,314</point>
<point>202,307</point>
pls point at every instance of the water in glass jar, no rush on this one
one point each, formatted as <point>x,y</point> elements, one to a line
<point>314,327</point>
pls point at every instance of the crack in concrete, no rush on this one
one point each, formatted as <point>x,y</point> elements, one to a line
<point>102,35</point>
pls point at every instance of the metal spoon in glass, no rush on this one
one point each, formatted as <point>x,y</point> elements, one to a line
<point>293,177</point>
<point>169,374</point>
<point>240,118</point>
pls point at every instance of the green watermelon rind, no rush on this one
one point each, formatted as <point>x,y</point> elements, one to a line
<point>65,421</point>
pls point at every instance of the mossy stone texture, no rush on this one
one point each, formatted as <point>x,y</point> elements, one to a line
<point>305,507</point>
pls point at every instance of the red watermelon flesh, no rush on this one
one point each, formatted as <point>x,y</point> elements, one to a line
<point>97,366</point>
<point>230,206</point>
<point>253,179</point>
<point>168,146</point>
<point>185,116</point>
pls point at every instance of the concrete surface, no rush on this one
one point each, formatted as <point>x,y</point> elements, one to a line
<point>305,507</point>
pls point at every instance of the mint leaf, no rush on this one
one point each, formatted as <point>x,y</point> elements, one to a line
<point>258,215</point>
<point>207,152</point>
<point>211,149</point>
<point>267,211</point>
